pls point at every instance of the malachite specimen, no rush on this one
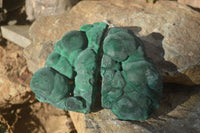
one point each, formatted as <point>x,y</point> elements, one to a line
<point>68,80</point>
<point>131,83</point>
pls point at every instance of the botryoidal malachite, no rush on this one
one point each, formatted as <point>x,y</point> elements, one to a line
<point>131,85</point>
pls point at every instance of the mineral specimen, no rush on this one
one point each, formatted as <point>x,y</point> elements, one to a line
<point>131,83</point>
<point>69,78</point>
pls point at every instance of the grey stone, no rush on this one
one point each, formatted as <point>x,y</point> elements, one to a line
<point>17,34</point>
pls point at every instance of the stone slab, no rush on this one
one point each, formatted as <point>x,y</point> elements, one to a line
<point>17,34</point>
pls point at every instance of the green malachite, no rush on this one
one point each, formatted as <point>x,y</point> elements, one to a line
<point>131,83</point>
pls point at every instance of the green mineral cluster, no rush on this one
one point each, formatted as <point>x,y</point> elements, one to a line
<point>131,83</point>
<point>68,80</point>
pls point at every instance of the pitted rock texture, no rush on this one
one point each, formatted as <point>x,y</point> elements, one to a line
<point>14,76</point>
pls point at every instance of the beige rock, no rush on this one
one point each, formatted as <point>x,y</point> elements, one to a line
<point>14,76</point>
<point>52,120</point>
<point>37,54</point>
<point>38,117</point>
<point>2,52</point>
<point>193,3</point>
<point>169,30</point>
<point>12,93</point>
<point>103,121</point>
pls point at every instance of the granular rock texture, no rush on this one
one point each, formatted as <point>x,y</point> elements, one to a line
<point>14,76</point>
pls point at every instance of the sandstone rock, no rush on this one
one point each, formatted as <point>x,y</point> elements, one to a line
<point>193,3</point>
<point>52,120</point>
<point>36,55</point>
<point>169,31</point>
<point>14,76</point>
<point>37,117</point>
<point>12,93</point>
<point>102,122</point>
<point>179,112</point>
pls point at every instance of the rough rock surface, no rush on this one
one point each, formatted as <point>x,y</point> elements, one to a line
<point>179,112</point>
<point>37,117</point>
<point>18,110</point>
<point>12,93</point>
<point>168,29</point>
<point>37,54</point>
<point>102,122</point>
<point>14,76</point>
<point>193,3</point>
<point>44,118</point>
